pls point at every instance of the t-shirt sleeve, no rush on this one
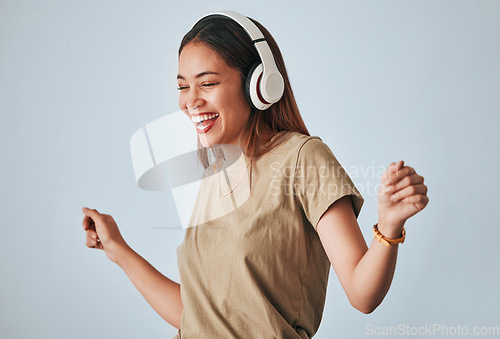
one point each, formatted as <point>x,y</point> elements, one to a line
<point>320,180</point>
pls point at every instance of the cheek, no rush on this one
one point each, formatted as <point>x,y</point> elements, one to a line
<point>239,101</point>
<point>182,102</point>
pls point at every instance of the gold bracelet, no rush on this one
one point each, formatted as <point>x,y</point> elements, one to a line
<point>388,241</point>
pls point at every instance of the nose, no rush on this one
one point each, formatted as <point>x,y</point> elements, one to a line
<point>194,100</point>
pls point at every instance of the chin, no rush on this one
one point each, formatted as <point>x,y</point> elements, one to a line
<point>205,144</point>
<point>206,141</point>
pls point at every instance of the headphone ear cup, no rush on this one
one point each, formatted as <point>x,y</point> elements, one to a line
<point>252,88</point>
<point>248,85</point>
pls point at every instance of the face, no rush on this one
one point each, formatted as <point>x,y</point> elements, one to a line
<point>209,89</point>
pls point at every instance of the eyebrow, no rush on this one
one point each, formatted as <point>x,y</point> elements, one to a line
<point>199,75</point>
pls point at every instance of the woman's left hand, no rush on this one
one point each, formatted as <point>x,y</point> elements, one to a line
<point>402,194</point>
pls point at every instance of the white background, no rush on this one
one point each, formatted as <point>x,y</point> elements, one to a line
<point>378,81</point>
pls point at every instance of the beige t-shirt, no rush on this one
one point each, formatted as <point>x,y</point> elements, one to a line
<point>254,266</point>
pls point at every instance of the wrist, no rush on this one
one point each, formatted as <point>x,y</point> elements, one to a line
<point>390,229</point>
<point>119,252</point>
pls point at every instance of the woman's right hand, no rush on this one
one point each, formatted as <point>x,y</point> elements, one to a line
<point>103,233</point>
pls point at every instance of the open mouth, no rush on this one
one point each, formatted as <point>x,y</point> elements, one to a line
<point>204,122</point>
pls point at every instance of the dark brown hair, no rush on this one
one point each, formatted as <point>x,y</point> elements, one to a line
<point>234,46</point>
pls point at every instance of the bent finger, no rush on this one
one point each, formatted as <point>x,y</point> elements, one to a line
<point>420,200</point>
<point>92,213</point>
<point>408,191</point>
<point>92,235</point>
<point>393,167</point>
<point>88,223</point>
<point>91,243</point>
<point>412,179</point>
<point>395,177</point>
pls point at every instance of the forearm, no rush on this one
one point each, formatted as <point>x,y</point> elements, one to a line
<point>159,291</point>
<point>372,276</point>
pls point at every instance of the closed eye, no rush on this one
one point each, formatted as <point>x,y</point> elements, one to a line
<point>180,88</point>
<point>210,84</point>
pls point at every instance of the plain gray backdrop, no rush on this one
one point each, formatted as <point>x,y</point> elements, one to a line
<point>378,81</point>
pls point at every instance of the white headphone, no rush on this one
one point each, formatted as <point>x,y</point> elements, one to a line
<point>265,85</point>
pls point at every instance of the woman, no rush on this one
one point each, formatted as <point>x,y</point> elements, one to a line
<point>255,262</point>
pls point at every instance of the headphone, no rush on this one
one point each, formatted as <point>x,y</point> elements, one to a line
<point>264,85</point>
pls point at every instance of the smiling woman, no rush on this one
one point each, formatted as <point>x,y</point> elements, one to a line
<point>255,262</point>
<point>247,118</point>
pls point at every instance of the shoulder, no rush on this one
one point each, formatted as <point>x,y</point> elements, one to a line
<point>294,148</point>
<point>310,148</point>
<point>313,145</point>
<point>298,142</point>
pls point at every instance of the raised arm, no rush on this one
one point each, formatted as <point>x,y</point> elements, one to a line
<point>159,291</point>
<point>366,273</point>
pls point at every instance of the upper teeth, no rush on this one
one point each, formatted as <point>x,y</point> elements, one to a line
<point>198,118</point>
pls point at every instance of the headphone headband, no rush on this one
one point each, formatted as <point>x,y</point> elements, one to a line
<point>252,30</point>
<point>265,83</point>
